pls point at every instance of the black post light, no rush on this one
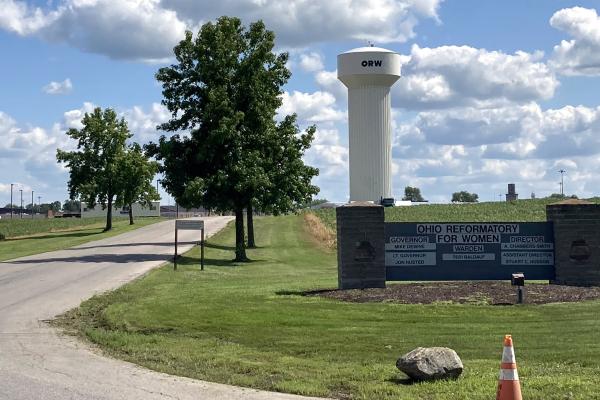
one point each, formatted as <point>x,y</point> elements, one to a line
<point>518,280</point>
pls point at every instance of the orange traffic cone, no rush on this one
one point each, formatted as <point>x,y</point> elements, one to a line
<point>509,387</point>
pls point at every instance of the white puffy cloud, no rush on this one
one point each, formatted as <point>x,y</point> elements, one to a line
<point>451,76</point>
<point>18,17</point>
<point>328,82</point>
<point>580,55</point>
<point>330,155</point>
<point>551,134</point>
<point>72,118</point>
<point>570,131</point>
<point>298,23</point>
<point>63,87</point>
<point>16,141</point>
<point>143,124</point>
<point>441,151</point>
<point>508,132</point>
<point>311,62</point>
<point>147,30</point>
<point>125,29</point>
<point>311,107</point>
<point>473,127</point>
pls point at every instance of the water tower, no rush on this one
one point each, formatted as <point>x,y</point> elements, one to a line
<point>369,73</point>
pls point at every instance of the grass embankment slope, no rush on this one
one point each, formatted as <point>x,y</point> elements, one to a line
<point>515,211</point>
<point>25,237</point>
<point>248,324</point>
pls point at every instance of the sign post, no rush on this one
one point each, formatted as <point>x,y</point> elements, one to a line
<point>189,224</point>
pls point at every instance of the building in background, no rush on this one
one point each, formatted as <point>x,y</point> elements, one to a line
<point>512,193</point>
<point>138,209</point>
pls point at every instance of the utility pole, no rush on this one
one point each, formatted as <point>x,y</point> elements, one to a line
<point>11,200</point>
<point>157,182</point>
<point>40,204</point>
<point>562,182</point>
<point>32,207</point>
<point>21,208</point>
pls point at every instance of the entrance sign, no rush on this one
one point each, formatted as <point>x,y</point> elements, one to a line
<point>190,224</point>
<point>465,251</point>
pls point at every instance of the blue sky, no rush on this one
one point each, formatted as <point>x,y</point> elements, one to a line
<point>491,93</point>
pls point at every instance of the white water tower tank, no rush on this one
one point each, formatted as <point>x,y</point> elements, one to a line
<point>369,73</point>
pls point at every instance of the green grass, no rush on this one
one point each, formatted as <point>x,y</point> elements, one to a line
<point>56,234</point>
<point>16,227</point>
<point>516,211</point>
<point>248,325</point>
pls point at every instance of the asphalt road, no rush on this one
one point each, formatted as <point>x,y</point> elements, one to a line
<point>37,362</point>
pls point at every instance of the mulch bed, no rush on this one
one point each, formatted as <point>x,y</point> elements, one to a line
<point>471,292</point>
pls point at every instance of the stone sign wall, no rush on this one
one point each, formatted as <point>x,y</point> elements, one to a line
<point>362,247</point>
<point>577,232</point>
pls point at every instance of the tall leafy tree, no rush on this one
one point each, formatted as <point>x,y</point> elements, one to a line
<point>71,205</point>
<point>289,179</point>
<point>94,167</point>
<point>413,194</point>
<point>136,172</point>
<point>262,74</point>
<point>224,89</point>
<point>465,197</point>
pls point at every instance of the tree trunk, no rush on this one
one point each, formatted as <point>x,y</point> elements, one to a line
<point>109,214</point>
<point>240,248</point>
<point>251,243</point>
<point>130,214</point>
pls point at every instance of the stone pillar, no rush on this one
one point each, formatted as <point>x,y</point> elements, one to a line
<point>360,246</point>
<point>576,241</point>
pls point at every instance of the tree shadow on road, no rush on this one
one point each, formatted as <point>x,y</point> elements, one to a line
<point>183,260</point>
<point>164,244</point>
<point>218,246</point>
<point>56,235</point>
<point>100,258</point>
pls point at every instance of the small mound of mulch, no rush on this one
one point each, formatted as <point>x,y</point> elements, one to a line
<point>468,292</point>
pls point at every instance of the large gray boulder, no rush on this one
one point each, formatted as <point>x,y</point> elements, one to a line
<point>429,363</point>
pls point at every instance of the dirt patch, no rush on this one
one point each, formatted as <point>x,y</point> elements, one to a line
<point>472,292</point>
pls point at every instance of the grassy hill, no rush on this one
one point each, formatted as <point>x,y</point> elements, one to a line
<point>24,237</point>
<point>516,211</point>
<point>250,325</point>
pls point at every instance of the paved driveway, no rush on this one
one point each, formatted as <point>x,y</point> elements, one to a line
<point>36,362</point>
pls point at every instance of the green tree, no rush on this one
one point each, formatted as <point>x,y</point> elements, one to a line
<point>136,174</point>
<point>465,197</point>
<point>71,205</point>
<point>412,194</point>
<point>316,202</point>
<point>45,207</point>
<point>225,90</point>
<point>289,185</point>
<point>55,206</point>
<point>94,167</point>
<point>559,196</point>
